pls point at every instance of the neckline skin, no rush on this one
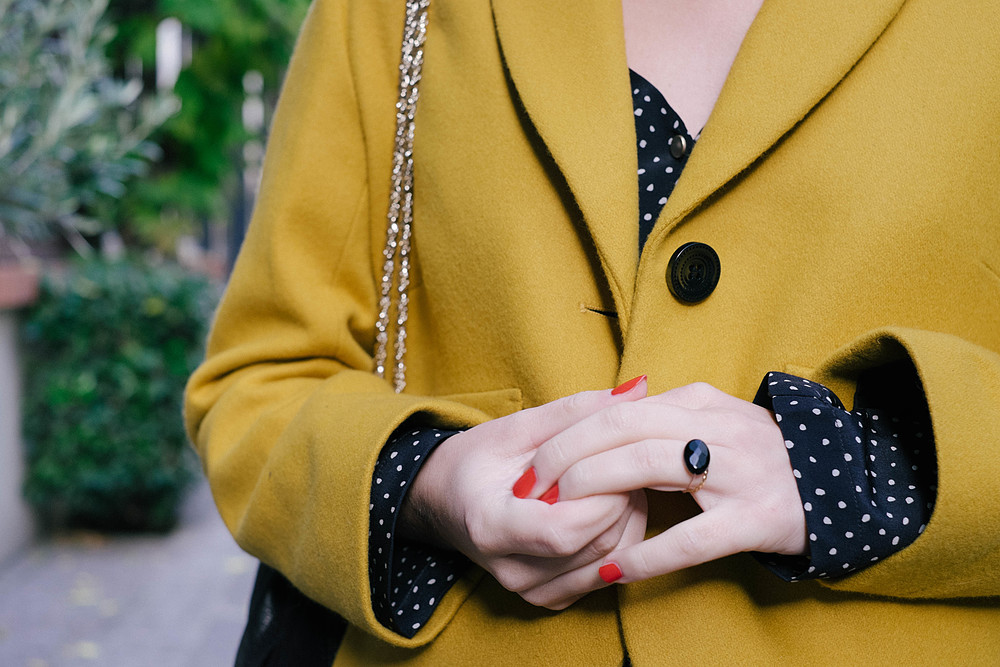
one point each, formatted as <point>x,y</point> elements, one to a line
<point>685,48</point>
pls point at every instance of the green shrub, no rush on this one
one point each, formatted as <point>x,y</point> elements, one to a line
<point>108,349</point>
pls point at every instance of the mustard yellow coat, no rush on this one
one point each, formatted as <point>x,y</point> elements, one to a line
<point>849,179</point>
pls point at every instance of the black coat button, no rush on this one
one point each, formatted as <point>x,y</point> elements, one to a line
<point>693,272</point>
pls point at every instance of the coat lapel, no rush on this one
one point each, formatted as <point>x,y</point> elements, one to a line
<point>567,63</point>
<point>793,55</point>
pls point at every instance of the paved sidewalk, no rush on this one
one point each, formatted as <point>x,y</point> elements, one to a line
<point>177,600</point>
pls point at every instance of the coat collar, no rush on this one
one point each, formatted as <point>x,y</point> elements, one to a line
<point>567,63</point>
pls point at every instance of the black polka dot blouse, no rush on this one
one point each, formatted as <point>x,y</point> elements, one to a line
<point>867,478</point>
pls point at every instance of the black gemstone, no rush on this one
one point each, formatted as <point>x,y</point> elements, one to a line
<point>696,457</point>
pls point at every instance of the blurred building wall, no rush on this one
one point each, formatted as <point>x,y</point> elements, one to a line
<point>15,522</point>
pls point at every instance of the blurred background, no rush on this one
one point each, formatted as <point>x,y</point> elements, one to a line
<point>131,139</point>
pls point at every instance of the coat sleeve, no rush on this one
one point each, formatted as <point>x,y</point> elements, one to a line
<point>285,411</point>
<point>958,555</point>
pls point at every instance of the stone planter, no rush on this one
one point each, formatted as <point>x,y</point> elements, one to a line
<point>18,288</point>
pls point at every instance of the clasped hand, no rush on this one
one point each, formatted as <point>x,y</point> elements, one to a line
<point>590,456</point>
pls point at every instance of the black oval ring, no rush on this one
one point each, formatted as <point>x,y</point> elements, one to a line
<point>696,456</point>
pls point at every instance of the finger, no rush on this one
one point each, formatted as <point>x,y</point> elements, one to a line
<point>533,426</point>
<point>520,572</point>
<point>555,531</point>
<point>617,426</point>
<point>704,537</point>
<point>628,529</point>
<point>568,587</point>
<point>649,464</point>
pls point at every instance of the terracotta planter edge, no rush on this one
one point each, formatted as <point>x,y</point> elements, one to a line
<point>18,285</point>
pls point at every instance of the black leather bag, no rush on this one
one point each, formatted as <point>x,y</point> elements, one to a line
<point>287,629</point>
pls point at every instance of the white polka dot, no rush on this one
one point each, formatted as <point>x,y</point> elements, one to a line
<point>835,472</point>
<point>777,417</point>
<point>827,521</point>
<point>812,537</point>
<point>842,505</point>
<point>797,474</point>
<point>807,507</point>
<point>802,427</point>
<point>848,534</point>
<point>817,411</point>
<point>866,518</point>
<point>895,540</point>
<point>820,492</point>
<point>848,457</point>
<point>638,112</point>
<point>833,551</point>
<point>789,444</point>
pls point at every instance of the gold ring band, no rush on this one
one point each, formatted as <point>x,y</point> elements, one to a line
<point>704,478</point>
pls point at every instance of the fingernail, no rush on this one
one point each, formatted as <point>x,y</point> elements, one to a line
<point>552,495</point>
<point>627,386</point>
<point>610,572</point>
<point>523,486</point>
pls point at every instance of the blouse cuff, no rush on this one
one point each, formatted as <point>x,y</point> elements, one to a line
<point>407,578</point>
<point>866,478</point>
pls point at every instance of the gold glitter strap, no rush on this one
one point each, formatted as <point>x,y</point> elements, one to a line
<point>400,215</point>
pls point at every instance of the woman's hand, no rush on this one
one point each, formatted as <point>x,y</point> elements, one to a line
<point>750,498</point>
<point>462,499</point>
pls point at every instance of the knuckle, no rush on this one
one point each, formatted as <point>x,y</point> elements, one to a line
<point>540,598</point>
<point>560,543</point>
<point>646,456</point>
<point>618,419</point>
<point>576,404</point>
<point>605,543</point>
<point>697,394</point>
<point>514,579</point>
<point>483,539</point>
<point>692,544</point>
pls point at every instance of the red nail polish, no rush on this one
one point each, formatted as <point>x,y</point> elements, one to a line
<point>523,486</point>
<point>627,386</point>
<point>552,495</point>
<point>610,572</point>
